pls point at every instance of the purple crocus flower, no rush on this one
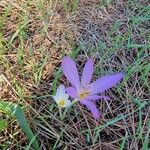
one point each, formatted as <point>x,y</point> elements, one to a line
<point>85,91</point>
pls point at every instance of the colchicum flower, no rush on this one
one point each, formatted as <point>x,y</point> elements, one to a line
<point>85,91</point>
<point>61,97</point>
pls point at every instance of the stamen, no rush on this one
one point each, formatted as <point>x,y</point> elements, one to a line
<point>83,94</point>
<point>61,103</point>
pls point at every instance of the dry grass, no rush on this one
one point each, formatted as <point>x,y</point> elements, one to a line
<point>35,34</point>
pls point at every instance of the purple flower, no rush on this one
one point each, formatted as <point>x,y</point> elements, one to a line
<point>85,91</point>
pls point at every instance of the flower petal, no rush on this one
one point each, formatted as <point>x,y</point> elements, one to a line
<point>61,89</point>
<point>105,83</point>
<point>71,91</point>
<point>70,71</point>
<point>65,96</point>
<point>97,97</point>
<point>55,97</point>
<point>87,73</point>
<point>92,107</point>
<point>67,104</point>
<point>60,93</point>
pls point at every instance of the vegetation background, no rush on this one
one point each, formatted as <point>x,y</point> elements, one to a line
<point>35,35</point>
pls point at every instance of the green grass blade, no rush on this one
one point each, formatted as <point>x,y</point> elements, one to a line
<point>3,125</point>
<point>19,114</point>
<point>10,109</point>
<point>146,141</point>
<point>65,5</point>
<point>123,142</point>
<point>31,142</point>
<point>75,4</point>
<point>57,75</point>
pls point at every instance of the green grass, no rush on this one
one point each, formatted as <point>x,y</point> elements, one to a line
<point>123,46</point>
<point>13,110</point>
<point>70,7</point>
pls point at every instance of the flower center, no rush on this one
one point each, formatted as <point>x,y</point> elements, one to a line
<point>83,94</point>
<point>61,103</point>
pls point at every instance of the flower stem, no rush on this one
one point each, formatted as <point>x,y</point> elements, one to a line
<point>60,113</point>
<point>73,102</point>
